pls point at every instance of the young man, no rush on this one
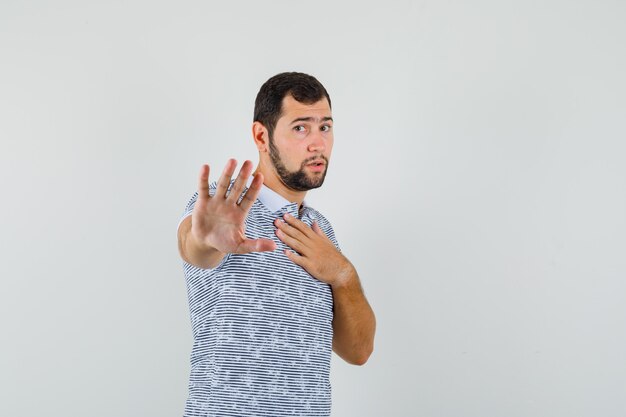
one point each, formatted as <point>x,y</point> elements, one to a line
<point>270,293</point>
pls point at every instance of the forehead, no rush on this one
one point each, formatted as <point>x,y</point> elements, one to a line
<point>291,108</point>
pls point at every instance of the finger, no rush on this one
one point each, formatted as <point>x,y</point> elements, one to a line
<point>240,182</point>
<point>224,182</point>
<point>289,230</point>
<point>253,191</point>
<point>295,258</point>
<point>203,183</point>
<point>317,229</point>
<point>297,224</point>
<point>256,245</point>
<point>293,243</point>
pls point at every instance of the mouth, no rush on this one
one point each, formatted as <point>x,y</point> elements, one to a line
<point>317,165</point>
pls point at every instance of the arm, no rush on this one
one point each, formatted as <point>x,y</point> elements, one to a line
<point>354,324</point>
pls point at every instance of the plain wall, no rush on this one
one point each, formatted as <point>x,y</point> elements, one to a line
<point>477,183</point>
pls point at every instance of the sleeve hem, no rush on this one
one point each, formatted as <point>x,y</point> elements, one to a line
<point>181,220</point>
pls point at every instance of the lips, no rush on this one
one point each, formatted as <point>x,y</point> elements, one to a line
<point>317,166</point>
<point>319,162</point>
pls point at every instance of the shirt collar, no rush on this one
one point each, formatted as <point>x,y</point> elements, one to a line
<point>271,199</point>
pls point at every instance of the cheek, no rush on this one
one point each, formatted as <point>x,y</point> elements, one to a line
<point>293,156</point>
<point>329,146</point>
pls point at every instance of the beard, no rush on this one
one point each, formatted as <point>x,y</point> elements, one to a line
<point>297,180</point>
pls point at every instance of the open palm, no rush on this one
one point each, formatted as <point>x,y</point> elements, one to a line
<point>218,221</point>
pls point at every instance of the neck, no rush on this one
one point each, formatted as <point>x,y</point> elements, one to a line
<point>273,182</point>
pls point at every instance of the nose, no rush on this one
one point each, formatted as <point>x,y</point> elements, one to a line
<point>318,142</point>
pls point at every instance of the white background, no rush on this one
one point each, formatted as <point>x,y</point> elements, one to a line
<point>477,183</point>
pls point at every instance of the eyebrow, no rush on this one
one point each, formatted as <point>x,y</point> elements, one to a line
<point>311,119</point>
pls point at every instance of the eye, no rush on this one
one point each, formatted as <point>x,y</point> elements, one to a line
<point>299,128</point>
<point>326,128</point>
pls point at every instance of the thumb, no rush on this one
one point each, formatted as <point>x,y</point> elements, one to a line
<point>256,245</point>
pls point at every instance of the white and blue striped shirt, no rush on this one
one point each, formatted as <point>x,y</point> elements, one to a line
<point>262,326</point>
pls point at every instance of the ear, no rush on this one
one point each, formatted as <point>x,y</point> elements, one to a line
<point>260,136</point>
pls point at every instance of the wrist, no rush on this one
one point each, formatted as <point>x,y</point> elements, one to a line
<point>345,277</point>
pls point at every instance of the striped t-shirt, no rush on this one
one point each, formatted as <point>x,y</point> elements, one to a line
<point>262,326</point>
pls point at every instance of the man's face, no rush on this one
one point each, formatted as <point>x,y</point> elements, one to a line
<point>301,144</point>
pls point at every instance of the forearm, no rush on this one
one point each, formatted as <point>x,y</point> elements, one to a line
<point>354,323</point>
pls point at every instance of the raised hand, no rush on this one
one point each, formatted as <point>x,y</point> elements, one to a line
<point>219,221</point>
